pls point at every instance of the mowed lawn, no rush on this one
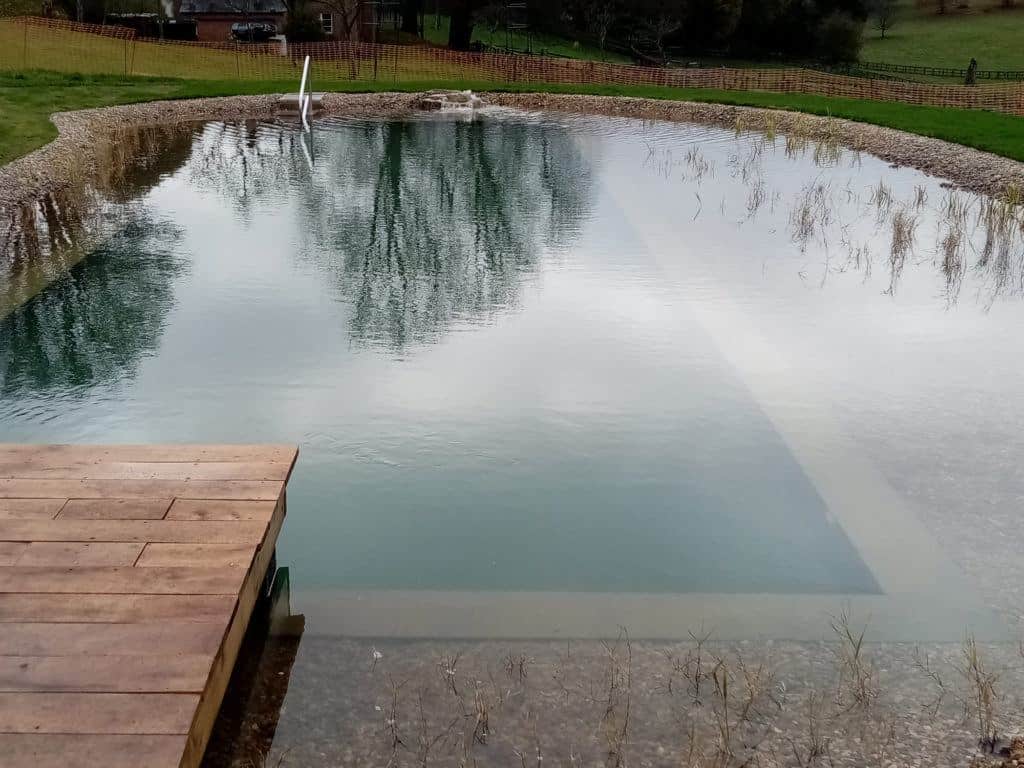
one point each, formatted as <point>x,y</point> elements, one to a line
<point>920,36</point>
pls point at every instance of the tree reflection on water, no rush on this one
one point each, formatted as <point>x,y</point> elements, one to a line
<point>420,223</point>
<point>95,323</point>
<point>74,314</point>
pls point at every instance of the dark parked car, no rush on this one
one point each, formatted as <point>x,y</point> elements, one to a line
<point>252,31</point>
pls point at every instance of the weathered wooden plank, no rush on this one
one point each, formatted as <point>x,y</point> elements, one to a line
<point>260,490</point>
<point>123,581</point>
<point>223,664</point>
<point>148,452</point>
<point>10,551</point>
<point>153,639</point>
<point>97,713</point>
<point>197,555</point>
<point>29,509</point>
<point>213,509</point>
<point>71,553</point>
<point>90,750</point>
<point>115,509</point>
<point>128,576</point>
<point>146,470</point>
<point>104,674</point>
<point>215,609</point>
<point>163,531</point>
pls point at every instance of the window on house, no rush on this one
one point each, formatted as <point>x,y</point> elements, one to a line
<point>327,23</point>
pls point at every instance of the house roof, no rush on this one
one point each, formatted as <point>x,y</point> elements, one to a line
<point>237,7</point>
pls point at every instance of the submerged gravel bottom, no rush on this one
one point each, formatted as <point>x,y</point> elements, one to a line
<point>361,703</point>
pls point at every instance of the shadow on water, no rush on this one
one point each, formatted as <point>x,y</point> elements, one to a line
<point>247,722</point>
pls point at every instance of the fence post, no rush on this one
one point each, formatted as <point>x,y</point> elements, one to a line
<point>126,57</point>
<point>24,52</point>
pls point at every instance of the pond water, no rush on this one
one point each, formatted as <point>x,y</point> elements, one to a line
<point>555,375</point>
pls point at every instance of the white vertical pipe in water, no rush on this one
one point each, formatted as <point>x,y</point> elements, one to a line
<point>303,96</point>
<point>302,85</point>
<point>309,96</point>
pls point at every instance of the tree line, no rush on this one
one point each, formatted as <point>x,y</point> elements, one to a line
<point>653,30</point>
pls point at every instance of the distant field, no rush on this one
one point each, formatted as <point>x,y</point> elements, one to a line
<point>992,35</point>
<point>39,47</point>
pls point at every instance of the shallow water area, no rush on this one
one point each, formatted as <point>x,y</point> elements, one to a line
<point>569,390</point>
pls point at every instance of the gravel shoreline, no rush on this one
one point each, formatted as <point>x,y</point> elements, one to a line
<point>74,154</point>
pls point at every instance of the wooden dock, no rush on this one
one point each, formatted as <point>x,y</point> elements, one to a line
<point>128,575</point>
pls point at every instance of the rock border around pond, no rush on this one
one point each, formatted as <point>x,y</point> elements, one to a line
<point>73,155</point>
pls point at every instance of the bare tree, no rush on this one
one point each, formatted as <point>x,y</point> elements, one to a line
<point>884,14</point>
<point>601,16</point>
<point>661,26</point>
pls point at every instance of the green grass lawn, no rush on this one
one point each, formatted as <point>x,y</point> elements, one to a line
<point>992,35</point>
<point>28,99</point>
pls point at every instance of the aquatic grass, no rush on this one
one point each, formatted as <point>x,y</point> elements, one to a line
<point>882,199</point>
<point>726,705</point>
<point>904,227</point>
<point>698,164</point>
<point>811,214</point>
<point>954,265</point>
<point>1013,195</point>
<point>828,145</point>
<point>798,136</point>
<point>756,196</point>
<point>981,699</point>
<point>920,196</point>
<point>857,686</point>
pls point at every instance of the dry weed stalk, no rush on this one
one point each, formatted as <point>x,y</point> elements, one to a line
<point>924,665</point>
<point>857,685</point>
<point>981,700</point>
<point>615,721</point>
<point>815,745</point>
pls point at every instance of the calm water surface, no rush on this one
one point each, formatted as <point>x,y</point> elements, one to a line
<point>529,355</point>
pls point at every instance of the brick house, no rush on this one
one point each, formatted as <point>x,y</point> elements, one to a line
<point>214,17</point>
<point>344,20</point>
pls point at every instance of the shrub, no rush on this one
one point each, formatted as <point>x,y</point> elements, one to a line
<point>839,38</point>
<point>303,27</point>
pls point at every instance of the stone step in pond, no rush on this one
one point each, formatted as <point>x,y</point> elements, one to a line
<point>289,102</point>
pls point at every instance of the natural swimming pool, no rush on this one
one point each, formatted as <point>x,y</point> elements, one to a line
<point>554,377</point>
<point>529,355</point>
